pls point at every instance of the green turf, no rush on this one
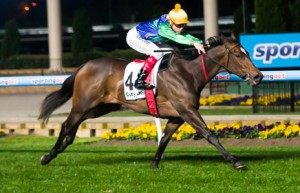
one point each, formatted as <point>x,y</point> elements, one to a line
<point>87,168</point>
<point>203,111</point>
<point>209,111</point>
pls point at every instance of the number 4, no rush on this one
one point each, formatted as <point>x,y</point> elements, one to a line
<point>128,82</point>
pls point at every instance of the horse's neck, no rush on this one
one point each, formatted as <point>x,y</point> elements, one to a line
<point>212,69</point>
<point>212,63</point>
<point>193,71</point>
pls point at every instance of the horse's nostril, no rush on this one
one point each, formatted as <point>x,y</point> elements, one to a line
<point>257,78</point>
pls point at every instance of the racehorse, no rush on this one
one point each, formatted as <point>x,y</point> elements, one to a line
<point>96,88</point>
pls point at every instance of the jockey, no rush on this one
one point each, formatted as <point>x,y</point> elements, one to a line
<point>154,34</point>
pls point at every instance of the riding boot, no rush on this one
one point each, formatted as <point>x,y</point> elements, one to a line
<point>143,73</point>
<point>140,81</point>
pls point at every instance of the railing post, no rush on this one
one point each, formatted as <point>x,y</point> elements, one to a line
<point>292,92</point>
<point>254,99</point>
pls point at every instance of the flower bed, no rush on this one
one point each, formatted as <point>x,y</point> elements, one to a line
<point>246,100</point>
<point>2,132</point>
<point>148,132</point>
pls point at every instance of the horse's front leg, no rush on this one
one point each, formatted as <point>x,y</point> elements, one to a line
<point>227,156</point>
<point>195,120</point>
<point>171,127</point>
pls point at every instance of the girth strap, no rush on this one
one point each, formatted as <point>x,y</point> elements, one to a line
<point>150,98</point>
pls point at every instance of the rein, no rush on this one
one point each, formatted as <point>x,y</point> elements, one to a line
<point>228,51</point>
<point>203,67</point>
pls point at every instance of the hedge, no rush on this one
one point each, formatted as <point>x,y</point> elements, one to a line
<point>23,61</point>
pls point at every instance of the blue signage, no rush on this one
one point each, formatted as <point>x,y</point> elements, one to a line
<point>269,76</point>
<point>273,50</point>
<point>32,80</point>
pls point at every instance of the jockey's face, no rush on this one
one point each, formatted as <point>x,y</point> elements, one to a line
<point>178,27</point>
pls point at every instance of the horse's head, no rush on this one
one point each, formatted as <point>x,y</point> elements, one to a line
<point>232,57</point>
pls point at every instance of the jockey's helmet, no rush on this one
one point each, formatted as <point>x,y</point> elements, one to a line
<point>178,15</point>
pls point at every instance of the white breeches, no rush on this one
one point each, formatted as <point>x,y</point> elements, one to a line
<point>136,42</point>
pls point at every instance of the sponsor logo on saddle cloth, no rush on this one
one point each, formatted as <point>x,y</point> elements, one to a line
<point>130,75</point>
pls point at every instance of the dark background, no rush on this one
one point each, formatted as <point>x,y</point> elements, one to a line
<point>108,11</point>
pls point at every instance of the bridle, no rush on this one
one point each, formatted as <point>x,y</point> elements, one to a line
<point>206,46</point>
<point>227,50</point>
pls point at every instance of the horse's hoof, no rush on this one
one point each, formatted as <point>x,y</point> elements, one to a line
<point>154,166</point>
<point>239,165</point>
<point>45,159</point>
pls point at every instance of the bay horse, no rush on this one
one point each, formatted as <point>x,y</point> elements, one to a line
<point>96,88</point>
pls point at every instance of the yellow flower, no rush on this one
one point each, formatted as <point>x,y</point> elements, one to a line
<point>174,135</point>
<point>145,136</point>
<point>220,126</point>
<point>295,128</point>
<point>179,137</point>
<point>235,126</point>
<point>287,132</point>
<point>263,135</point>
<point>106,135</point>
<point>249,101</point>
<point>153,134</point>
<point>203,101</point>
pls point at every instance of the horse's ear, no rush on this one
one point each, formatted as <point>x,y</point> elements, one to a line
<point>223,38</point>
<point>232,36</point>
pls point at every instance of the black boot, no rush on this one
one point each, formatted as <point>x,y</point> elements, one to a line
<point>140,81</point>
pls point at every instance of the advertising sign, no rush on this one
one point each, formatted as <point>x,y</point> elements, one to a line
<point>32,80</point>
<point>273,50</point>
<point>269,76</point>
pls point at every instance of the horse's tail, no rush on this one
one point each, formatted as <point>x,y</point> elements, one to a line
<point>57,98</point>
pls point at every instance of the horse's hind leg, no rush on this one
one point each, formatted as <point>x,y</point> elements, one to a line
<point>70,126</point>
<point>98,111</point>
<point>69,138</point>
<point>171,127</point>
<point>62,142</point>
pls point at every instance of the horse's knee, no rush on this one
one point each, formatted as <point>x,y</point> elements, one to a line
<point>212,139</point>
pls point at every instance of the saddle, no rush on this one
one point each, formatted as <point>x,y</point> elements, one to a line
<point>130,75</point>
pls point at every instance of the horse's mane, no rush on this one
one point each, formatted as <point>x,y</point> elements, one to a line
<point>188,53</point>
<point>192,53</point>
<point>214,41</point>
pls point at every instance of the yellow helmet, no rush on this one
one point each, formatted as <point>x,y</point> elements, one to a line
<point>178,15</point>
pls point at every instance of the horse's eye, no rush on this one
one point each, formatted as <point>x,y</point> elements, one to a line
<point>239,56</point>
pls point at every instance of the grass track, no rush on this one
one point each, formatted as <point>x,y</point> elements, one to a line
<point>116,169</point>
<point>219,110</point>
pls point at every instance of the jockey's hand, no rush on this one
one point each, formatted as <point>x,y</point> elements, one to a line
<point>199,47</point>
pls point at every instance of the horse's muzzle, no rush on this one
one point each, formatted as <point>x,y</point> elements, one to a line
<point>253,79</point>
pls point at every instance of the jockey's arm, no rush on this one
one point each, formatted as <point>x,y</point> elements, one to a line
<point>166,31</point>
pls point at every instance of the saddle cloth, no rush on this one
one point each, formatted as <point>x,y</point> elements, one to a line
<point>130,75</point>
